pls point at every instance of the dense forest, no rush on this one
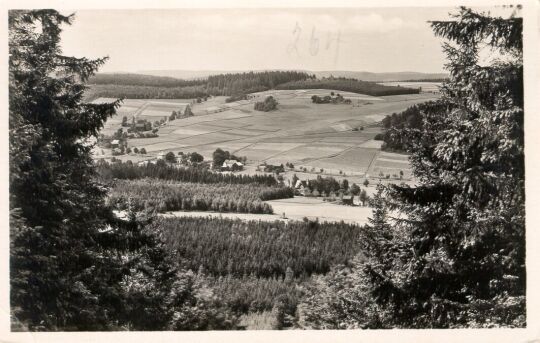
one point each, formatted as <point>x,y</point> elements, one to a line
<point>265,249</point>
<point>127,79</point>
<point>242,83</point>
<point>348,85</point>
<point>143,92</point>
<point>252,294</point>
<point>409,120</point>
<point>160,196</point>
<point>154,87</point>
<point>259,266</point>
<point>195,174</point>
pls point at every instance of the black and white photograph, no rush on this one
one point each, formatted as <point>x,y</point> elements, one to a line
<point>270,168</point>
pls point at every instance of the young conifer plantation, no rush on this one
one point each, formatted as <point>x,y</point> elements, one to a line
<point>194,174</point>
<point>150,195</point>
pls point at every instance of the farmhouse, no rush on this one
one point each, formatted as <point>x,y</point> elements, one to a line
<point>301,186</point>
<point>232,165</point>
<point>115,143</point>
<point>347,200</point>
<point>140,125</point>
<point>161,156</point>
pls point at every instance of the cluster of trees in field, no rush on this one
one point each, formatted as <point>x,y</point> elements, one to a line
<point>330,99</point>
<point>328,184</point>
<point>348,85</point>
<point>269,104</point>
<point>265,249</point>
<point>185,159</point>
<point>154,87</point>
<point>408,120</point>
<point>271,168</point>
<point>330,187</point>
<point>179,115</point>
<point>150,195</point>
<point>192,174</point>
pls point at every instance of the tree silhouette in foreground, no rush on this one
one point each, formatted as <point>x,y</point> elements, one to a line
<point>455,254</point>
<point>73,265</point>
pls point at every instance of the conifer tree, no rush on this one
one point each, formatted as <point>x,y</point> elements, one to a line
<point>73,264</point>
<point>464,229</point>
<point>452,254</point>
<point>57,210</point>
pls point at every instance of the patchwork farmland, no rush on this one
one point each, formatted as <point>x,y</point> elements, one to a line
<point>337,138</point>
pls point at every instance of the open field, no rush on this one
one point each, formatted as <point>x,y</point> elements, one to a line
<point>295,209</point>
<point>391,163</point>
<point>426,86</point>
<point>305,134</point>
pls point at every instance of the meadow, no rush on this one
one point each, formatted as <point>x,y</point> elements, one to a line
<point>313,136</point>
<point>293,209</point>
<point>425,85</point>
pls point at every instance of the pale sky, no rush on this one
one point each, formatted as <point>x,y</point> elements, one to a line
<point>375,40</point>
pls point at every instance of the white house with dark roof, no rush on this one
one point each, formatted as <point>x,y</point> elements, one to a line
<point>232,165</point>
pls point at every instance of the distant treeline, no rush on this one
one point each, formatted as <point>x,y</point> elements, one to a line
<point>135,86</point>
<point>142,80</point>
<point>264,249</point>
<point>348,85</point>
<point>143,92</point>
<point>151,87</point>
<point>152,195</point>
<point>230,84</point>
<point>194,174</point>
<point>419,80</point>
